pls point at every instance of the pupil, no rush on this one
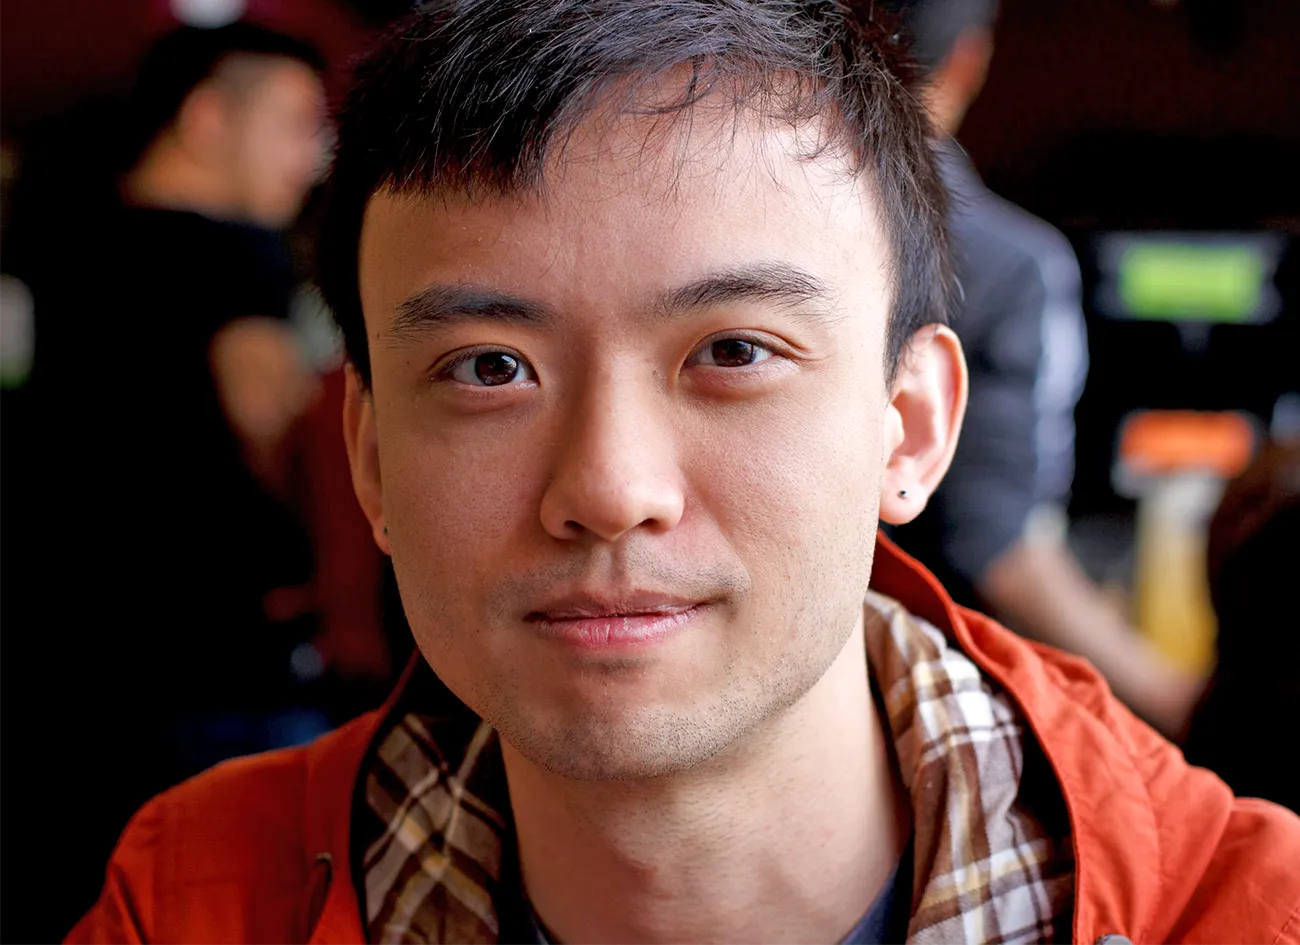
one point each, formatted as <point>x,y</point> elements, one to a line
<point>496,368</point>
<point>733,353</point>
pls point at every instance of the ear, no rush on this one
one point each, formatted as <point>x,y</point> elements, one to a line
<point>922,422</point>
<point>968,62</point>
<point>953,85</point>
<point>362,440</point>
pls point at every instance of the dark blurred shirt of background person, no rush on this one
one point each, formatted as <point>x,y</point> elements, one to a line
<point>994,530</point>
<point>178,379</point>
<point>166,564</point>
<point>1248,714</point>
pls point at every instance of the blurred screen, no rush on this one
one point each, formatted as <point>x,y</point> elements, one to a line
<point>1189,277</point>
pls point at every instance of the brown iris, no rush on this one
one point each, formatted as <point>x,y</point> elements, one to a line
<point>733,352</point>
<point>496,368</point>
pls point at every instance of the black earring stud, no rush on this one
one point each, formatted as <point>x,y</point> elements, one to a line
<point>902,493</point>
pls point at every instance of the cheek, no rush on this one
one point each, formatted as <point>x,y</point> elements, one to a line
<point>459,523</point>
<point>460,505</point>
<point>794,486</point>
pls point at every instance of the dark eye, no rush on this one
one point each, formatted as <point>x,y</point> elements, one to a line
<point>491,369</point>
<point>732,353</point>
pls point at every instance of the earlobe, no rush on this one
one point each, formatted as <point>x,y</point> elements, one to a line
<point>361,438</point>
<point>922,422</point>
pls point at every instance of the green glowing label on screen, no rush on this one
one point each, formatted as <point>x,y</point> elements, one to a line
<point>1191,281</point>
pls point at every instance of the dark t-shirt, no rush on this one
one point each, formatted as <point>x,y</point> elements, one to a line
<point>886,920</point>
<point>151,514</point>
<point>137,547</point>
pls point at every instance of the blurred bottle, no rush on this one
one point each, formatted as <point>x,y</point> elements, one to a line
<point>1175,463</point>
<point>1173,597</point>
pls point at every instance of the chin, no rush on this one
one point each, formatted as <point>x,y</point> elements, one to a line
<point>654,745</point>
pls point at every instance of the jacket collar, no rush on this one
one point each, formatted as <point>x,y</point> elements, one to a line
<point>333,782</point>
<point>1137,859</point>
<point>1099,784</point>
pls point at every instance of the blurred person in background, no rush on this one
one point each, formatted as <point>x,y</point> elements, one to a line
<point>232,122</point>
<point>1254,546</point>
<point>172,393</point>
<point>994,531</point>
<point>231,125</point>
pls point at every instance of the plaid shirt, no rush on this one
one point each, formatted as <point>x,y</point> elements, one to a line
<point>993,860</point>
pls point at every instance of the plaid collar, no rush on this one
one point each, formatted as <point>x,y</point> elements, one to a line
<point>992,854</point>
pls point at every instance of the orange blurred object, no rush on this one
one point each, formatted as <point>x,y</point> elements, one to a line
<point>1165,441</point>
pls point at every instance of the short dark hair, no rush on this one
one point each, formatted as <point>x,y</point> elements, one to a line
<point>474,97</point>
<point>178,62</point>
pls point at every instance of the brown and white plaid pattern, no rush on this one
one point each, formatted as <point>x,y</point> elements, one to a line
<point>992,852</point>
<point>993,857</point>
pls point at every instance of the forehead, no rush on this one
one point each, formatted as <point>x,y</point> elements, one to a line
<point>632,204</point>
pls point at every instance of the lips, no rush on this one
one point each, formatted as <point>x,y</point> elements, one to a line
<point>629,621</point>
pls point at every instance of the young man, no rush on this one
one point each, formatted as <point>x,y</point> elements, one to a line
<point>644,304</point>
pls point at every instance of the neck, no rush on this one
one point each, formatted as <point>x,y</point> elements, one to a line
<point>168,178</point>
<point>789,837</point>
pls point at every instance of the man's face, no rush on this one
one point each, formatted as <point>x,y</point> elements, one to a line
<point>277,140</point>
<point>627,439</point>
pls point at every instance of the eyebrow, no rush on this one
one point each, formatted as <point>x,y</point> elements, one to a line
<point>780,283</point>
<point>441,305</point>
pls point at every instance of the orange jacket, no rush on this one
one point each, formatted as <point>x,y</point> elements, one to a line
<point>257,849</point>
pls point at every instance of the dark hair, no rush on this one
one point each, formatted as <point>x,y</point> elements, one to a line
<point>474,96</point>
<point>180,60</point>
<point>932,26</point>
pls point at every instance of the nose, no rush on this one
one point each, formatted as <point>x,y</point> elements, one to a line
<point>616,472</point>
